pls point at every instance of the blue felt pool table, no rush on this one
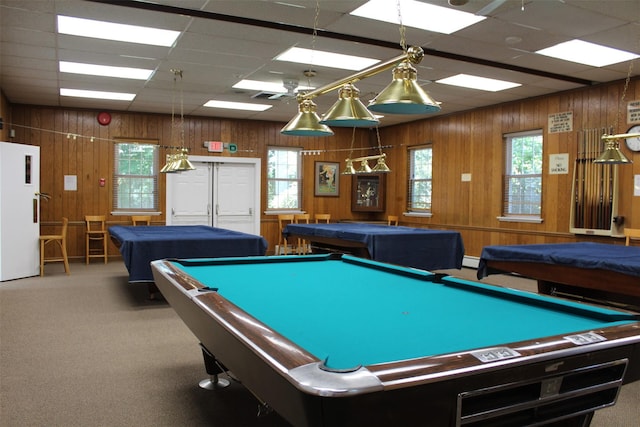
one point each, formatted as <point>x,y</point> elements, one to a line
<point>142,244</point>
<point>605,273</point>
<point>335,340</point>
<point>424,248</point>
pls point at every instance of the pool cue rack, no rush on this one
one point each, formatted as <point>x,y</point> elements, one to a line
<point>595,189</point>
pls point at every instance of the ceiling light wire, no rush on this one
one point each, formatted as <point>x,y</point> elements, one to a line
<point>314,35</point>
<point>403,32</point>
<point>612,154</point>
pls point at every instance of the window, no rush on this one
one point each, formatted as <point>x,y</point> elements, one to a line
<point>420,179</point>
<point>523,174</point>
<point>135,176</point>
<point>283,178</point>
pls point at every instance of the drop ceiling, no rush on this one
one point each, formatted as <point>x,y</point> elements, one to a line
<point>222,42</point>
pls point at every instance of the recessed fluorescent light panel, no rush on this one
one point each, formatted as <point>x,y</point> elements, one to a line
<point>266,86</point>
<point>117,96</point>
<point>326,59</point>
<point>117,32</point>
<point>475,82</point>
<point>587,53</point>
<point>237,105</point>
<point>419,15</point>
<point>105,70</point>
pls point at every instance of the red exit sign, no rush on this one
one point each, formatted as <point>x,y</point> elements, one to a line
<point>215,146</point>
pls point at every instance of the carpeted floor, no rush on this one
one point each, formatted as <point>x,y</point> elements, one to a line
<point>91,350</point>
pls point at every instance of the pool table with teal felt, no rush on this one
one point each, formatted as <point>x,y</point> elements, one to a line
<point>335,340</point>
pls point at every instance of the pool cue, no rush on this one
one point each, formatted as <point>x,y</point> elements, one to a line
<point>611,188</point>
<point>601,213</point>
<point>589,204</point>
<point>593,187</point>
<point>594,181</point>
<point>587,182</point>
<point>609,199</point>
<point>580,167</point>
<point>576,190</point>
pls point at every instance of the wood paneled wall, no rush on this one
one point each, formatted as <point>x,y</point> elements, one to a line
<point>469,142</point>
<point>6,118</point>
<point>472,142</point>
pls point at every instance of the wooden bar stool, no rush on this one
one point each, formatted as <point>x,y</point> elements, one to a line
<point>321,217</point>
<point>630,234</point>
<point>303,246</point>
<point>61,240</point>
<point>392,220</point>
<point>141,219</point>
<point>283,220</point>
<point>96,232</point>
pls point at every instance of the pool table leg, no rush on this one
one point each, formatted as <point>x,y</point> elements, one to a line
<point>546,288</point>
<point>213,368</point>
<point>214,382</point>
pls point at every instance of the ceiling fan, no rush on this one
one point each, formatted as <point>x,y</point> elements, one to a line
<point>290,84</point>
<point>482,12</point>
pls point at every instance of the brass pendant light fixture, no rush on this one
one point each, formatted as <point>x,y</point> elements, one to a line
<point>349,111</point>
<point>380,167</point>
<point>612,155</point>
<point>306,122</point>
<point>179,160</point>
<point>349,169</point>
<point>402,96</point>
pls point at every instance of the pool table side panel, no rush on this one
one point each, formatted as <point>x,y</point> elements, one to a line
<point>617,287</point>
<point>432,369</point>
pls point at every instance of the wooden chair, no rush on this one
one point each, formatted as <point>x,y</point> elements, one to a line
<point>392,220</point>
<point>322,218</point>
<point>141,219</point>
<point>283,221</point>
<point>302,246</point>
<point>61,240</point>
<point>96,232</point>
<point>631,233</point>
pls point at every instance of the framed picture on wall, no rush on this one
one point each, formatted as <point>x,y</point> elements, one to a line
<point>367,193</point>
<point>327,178</point>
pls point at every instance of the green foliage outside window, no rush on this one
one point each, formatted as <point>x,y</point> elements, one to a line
<point>283,178</point>
<point>420,179</point>
<point>523,177</point>
<point>135,176</point>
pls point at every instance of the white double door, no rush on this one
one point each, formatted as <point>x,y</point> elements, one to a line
<point>220,192</point>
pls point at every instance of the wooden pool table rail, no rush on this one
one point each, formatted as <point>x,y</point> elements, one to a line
<point>596,284</point>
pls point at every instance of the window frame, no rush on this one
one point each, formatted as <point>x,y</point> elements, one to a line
<point>411,180</point>
<point>297,152</point>
<point>508,175</point>
<point>116,176</point>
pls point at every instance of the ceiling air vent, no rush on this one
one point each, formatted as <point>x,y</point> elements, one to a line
<point>267,95</point>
